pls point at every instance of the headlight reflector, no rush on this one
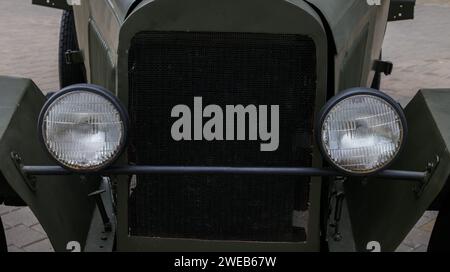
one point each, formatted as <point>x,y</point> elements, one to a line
<point>362,131</point>
<point>83,127</point>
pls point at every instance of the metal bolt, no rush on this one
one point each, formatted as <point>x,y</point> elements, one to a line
<point>337,237</point>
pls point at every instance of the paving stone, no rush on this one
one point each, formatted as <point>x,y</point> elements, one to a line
<point>21,236</point>
<point>13,248</point>
<point>422,248</point>
<point>431,214</point>
<point>423,221</point>
<point>41,246</point>
<point>419,52</point>
<point>433,2</point>
<point>404,248</point>
<point>429,226</point>
<point>22,216</point>
<point>416,238</point>
<point>7,209</point>
<point>39,228</point>
<point>5,226</point>
<point>29,40</point>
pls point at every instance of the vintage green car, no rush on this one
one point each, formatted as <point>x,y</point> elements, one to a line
<point>207,125</point>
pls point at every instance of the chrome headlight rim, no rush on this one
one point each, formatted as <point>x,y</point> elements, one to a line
<point>104,93</point>
<point>357,91</point>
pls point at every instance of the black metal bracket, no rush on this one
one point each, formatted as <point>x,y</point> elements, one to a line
<point>73,57</point>
<point>214,170</point>
<point>385,67</point>
<point>339,197</point>
<point>401,10</point>
<point>30,180</point>
<point>97,195</point>
<point>431,168</point>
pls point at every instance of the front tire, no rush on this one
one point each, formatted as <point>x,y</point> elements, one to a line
<point>74,73</point>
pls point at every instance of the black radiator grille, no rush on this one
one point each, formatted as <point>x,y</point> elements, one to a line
<point>171,68</point>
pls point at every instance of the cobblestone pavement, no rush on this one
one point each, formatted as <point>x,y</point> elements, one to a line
<point>420,51</point>
<point>28,46</point>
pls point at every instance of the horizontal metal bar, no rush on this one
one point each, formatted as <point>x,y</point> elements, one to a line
<point>206,170</point>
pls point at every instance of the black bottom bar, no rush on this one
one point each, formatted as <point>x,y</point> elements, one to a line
<point>182,170</point>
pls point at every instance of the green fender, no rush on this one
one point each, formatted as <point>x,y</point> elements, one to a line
<point>61,204</point>
<point>386,210</point>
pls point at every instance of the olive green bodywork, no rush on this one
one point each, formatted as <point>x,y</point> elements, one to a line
<point>386,211</point>
<point>348,35</point>
<point>61,204</point>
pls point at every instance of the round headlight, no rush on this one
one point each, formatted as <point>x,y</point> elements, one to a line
<point>83,127</point>
<point>362,131</point>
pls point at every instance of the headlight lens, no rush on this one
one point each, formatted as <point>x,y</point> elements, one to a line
<point>362,132</point>
<point>83,127</point>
